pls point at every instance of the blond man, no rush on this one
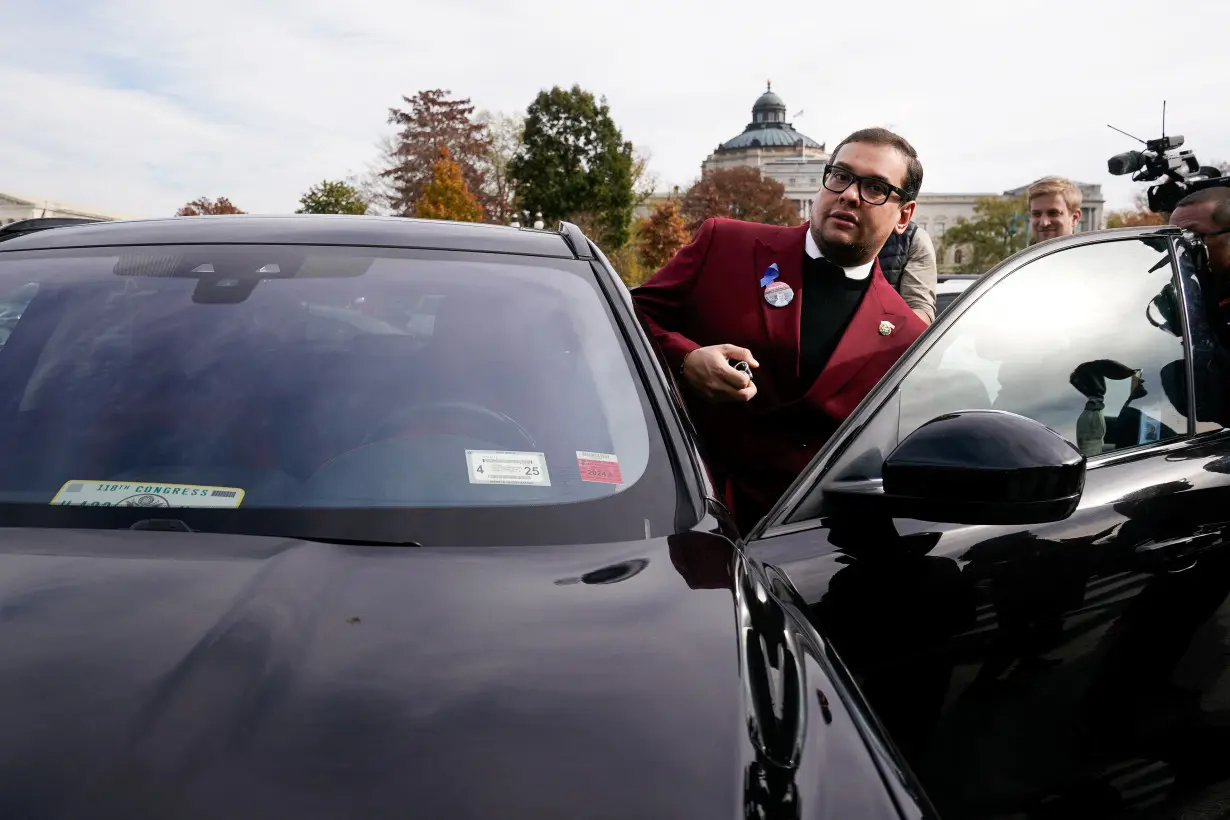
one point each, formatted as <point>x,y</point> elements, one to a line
<point>1054,208</point>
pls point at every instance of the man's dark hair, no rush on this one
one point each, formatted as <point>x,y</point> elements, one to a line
<point>882,136</point>
<point>1219,195</point>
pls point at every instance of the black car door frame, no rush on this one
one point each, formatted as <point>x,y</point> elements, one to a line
<point>1154,553</point>
<point>785,517</point>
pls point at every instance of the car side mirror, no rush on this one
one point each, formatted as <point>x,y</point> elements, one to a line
<point>972,467</point>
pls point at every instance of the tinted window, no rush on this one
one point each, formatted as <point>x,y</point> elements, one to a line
<point>1078,340</point>
<point>293,377</point>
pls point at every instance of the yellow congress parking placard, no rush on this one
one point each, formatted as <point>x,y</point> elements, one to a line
<point>145,494</point>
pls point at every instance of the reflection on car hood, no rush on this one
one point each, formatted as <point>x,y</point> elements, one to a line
<point>150,674</point>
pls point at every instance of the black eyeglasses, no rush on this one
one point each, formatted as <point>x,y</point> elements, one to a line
<point>870,190</point>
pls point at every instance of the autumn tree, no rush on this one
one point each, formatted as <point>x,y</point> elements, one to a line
<point>205,206</point>
<point>644,180</point>
<point>997,231</point>
<point>433,121</point>
<point>574,164</point>
<point>1138,215</point>
<point>660,234</point>
<point>446,196</point>
<point>504,137</point>
<point>332,197</point>
<point>738,193</point>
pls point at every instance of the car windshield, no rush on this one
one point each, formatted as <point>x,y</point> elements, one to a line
<point>229,378</point>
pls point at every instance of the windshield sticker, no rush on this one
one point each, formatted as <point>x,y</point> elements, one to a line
<point>136,494</point>
<point>600,468</point>
<point>507,467</point>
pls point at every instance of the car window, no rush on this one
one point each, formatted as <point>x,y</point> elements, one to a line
<point>1072,340</point>
<point>227,377</point>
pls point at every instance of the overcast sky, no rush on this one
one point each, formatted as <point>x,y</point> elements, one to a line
<point>137,106</point>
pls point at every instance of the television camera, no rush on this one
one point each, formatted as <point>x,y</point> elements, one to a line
<point>1162,158</point>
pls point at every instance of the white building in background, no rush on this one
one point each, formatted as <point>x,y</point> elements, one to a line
<point>771,143</point>
<point>15,207</point>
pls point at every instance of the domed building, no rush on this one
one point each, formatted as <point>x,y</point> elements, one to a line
<point>771,143</point>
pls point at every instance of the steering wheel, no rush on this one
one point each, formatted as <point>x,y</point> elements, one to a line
<point>496,426</point>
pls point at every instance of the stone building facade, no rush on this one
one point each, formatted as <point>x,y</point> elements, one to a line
<point>15,207</point>
<point>772,144</point>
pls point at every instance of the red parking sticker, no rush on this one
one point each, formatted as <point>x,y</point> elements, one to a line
<point>601,468</point>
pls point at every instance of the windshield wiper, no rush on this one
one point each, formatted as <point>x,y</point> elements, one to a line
<point>356,542</point>
<point>176,525</point>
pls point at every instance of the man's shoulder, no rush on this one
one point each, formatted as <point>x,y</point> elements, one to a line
<point>738,230</point>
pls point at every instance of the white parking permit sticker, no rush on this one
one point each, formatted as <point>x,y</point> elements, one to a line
<point>507,467</point>
<point>145,494</point>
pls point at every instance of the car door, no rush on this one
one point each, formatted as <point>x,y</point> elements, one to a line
<point>1066,669</point>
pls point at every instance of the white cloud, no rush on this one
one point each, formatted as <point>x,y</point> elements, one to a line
<point>138,106</point>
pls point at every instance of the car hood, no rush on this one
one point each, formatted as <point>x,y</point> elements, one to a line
<point>187,675</point>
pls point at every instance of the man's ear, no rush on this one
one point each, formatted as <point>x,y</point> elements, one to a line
<point>903,220</point>
<point>1076,217</point>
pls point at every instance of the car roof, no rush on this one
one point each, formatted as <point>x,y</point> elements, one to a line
<point>308,229</point>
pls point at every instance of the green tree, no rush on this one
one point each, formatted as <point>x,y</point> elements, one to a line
<point>332,197</point>
<point>660,234</point>
<point>997,231</point>
<point>738,193</point>
<point>575,161</point>
<point>446,196</point>
<point>204,206</point>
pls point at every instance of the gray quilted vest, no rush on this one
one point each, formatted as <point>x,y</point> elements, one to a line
<point>896,253</point>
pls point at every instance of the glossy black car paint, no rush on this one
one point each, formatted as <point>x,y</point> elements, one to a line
<point>195,674</point>
<point>1070,669</point>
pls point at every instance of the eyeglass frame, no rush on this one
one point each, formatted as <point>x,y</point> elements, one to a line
<point>855,179</point>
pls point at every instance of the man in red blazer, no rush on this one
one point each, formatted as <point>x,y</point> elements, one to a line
<point>807,308</point>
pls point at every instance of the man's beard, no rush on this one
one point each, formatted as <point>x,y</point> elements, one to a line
<point>843,254</point>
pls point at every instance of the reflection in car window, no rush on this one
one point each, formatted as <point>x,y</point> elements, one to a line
<point>1072,340</point>
<point>311,377</point>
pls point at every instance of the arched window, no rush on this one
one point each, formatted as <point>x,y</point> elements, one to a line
<point>957,257</point>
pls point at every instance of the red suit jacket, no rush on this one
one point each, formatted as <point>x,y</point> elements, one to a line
<point>710,293</point>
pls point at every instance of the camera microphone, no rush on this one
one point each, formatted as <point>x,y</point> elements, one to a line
<point>1129,162</point>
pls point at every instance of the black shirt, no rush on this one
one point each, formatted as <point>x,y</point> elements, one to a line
<point>830,299</point>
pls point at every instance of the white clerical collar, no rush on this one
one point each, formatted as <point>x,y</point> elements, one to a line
<point>855,272</point>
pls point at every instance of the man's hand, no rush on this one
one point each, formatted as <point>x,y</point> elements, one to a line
<point>707,372</point>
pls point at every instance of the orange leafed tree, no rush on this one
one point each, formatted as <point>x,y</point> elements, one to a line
<point>206,206</point>
<point>661,234</point>
<point>447,196</point>
<point>1134,217</point>
<point>739,193</point>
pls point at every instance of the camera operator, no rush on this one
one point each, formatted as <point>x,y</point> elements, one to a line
<point>1206,213</point>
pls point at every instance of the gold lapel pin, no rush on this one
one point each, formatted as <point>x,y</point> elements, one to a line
<point>886,328</point>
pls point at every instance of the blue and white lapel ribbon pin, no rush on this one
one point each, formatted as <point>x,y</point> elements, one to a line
<point>769,276</point>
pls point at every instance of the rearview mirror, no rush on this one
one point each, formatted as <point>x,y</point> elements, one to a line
<point>972,467</point>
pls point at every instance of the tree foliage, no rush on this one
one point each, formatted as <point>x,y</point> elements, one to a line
<point>997,231</point>
<point>660,234</point>
<point>738,193</point>
<point>332,197</point>
<point>446,196</point>
<point>644,180</point>
<point>433,121</point>
<point>505,133</point>
<point>1138,215</point>
<point>574,161</point>
<point>204,206</point>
